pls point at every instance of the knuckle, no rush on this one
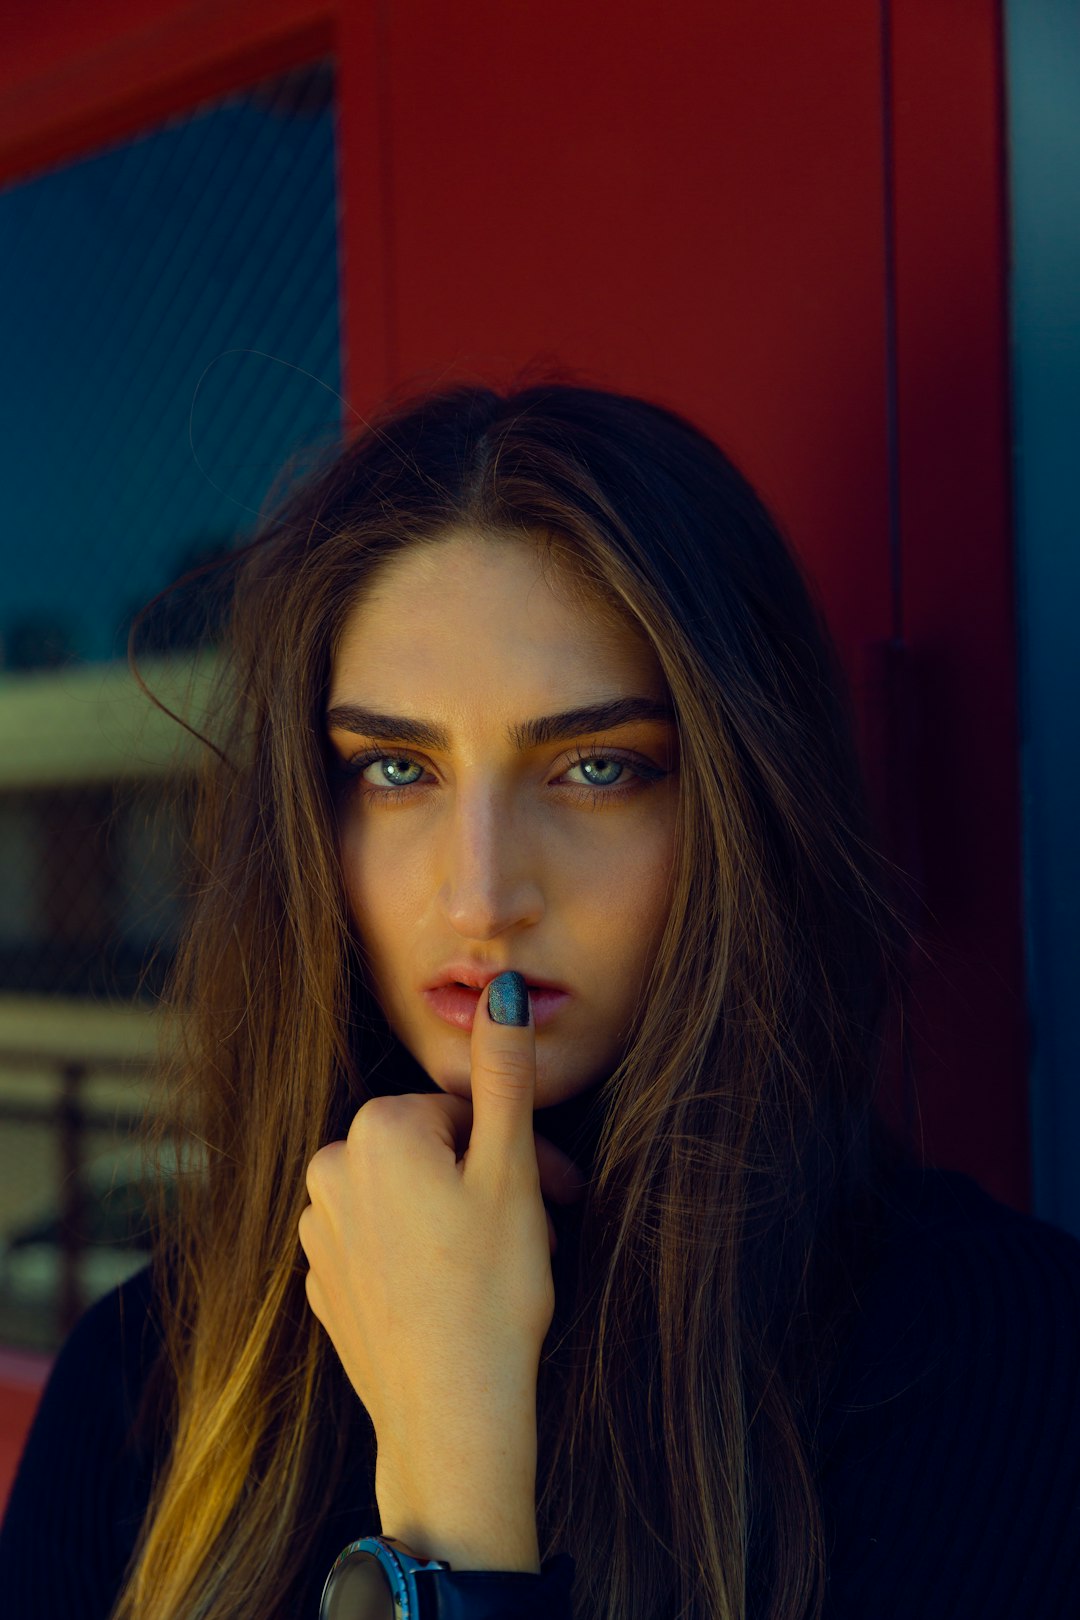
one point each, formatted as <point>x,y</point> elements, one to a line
<point>321,1169</point>
<point>510,1070</point>
<point>311,1233</point>
<point>313,1294</point>
<point>315,1176</point>
<point>377,1114</point>
<point>360,1122</point>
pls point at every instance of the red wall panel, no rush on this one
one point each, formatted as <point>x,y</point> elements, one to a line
<point>74,76</point>
<point>670,201</point>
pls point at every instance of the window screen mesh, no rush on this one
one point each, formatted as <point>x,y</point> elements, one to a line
<point>170,328</point>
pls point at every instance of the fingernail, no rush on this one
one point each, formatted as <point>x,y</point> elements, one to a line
<point>508,999</point>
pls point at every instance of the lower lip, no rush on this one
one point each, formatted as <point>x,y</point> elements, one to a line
<point>456,1003</point>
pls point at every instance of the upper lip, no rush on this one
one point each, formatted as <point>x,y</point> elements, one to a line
<point>478,978</point>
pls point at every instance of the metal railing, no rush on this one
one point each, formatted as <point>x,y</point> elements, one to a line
<point>68,1113</point>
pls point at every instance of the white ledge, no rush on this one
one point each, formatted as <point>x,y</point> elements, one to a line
<point>90,723</point>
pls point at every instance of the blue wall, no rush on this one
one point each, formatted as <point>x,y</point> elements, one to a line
<point>1043,82</point>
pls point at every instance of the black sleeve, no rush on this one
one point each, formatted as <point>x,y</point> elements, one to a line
<point>951,1487</point>
<point>79,1492</point>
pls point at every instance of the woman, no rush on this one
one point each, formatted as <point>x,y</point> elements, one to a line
<point>618,1276</point>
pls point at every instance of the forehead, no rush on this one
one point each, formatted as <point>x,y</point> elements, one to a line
<point>471,612</point>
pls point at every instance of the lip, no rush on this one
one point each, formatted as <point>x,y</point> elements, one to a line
<point>456,1003</point>
<point>478,978</point>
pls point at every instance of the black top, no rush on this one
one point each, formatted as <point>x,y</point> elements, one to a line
<point>951,1468</point>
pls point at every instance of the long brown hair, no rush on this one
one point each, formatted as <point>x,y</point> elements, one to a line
<point>740,1160</point>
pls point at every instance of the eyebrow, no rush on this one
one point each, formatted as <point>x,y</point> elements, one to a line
<point>545,728</point>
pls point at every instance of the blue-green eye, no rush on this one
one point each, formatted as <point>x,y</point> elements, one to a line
<point>598,763</point>
<point>393,770</point>
<point>609,778</point>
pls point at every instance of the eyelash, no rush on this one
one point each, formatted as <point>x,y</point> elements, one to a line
<point>350,771</point>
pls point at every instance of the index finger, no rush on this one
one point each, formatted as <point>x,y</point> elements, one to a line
<point>503,1063</point>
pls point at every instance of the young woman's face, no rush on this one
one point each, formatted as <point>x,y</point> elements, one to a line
<point>477,844</point>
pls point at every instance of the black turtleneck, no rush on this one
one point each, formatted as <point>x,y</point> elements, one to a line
<point>950,1459</point>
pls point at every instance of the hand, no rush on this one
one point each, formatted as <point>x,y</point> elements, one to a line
<point>429,1250</point>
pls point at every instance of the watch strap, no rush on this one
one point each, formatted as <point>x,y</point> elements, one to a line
<point>495,1594</point>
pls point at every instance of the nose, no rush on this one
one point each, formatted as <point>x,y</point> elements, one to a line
<point>491,866</point>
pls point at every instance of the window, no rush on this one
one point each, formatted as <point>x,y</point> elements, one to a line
<point>170,326</point>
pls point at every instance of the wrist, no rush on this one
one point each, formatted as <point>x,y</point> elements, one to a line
<point>475,1550</point>
<point>475,1518</point>
<point>377,1576</point>
<point>490,1533</point>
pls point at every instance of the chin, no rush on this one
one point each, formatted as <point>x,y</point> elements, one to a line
<point>455,1085</point>
<point>449,1075</point>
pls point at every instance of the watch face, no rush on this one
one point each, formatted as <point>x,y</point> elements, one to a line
<point>358,1589</point>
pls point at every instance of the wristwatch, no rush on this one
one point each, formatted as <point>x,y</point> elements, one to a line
<point>372,1579</point>
<point>377,1578</point>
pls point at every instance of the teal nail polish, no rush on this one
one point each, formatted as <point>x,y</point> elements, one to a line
<point>508,999</point>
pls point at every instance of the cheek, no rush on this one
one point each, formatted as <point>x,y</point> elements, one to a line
<point>627,898</point>
<point>649,870</point>
<point>366,886</point>
<point>381,885</point>
<point>647,908</point>
<point>386,901</point>
<point>351,861</point>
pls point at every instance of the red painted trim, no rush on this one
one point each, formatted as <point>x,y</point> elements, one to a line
<point>23,1369</point>
<point>369,349</point>
<point>957,580</point>
<point>75,77</point>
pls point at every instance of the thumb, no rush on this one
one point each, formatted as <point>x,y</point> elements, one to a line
<point>503,1063</point>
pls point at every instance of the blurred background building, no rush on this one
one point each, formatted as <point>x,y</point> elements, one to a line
<point>842,237</point>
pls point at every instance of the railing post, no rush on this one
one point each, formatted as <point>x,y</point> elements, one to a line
<point>71,1194</point>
